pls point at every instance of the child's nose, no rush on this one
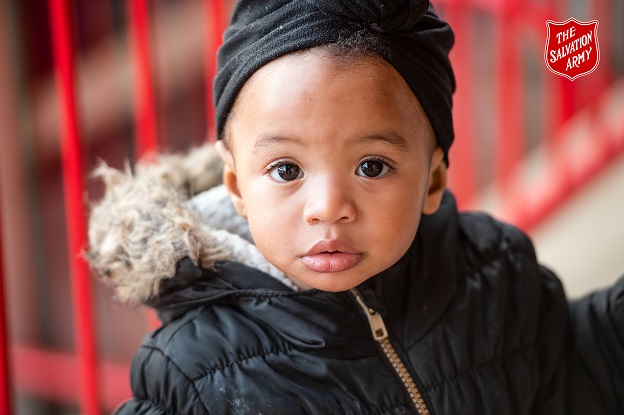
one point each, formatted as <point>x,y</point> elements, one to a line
<point>329,201</point>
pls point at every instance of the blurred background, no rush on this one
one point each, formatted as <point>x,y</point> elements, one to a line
<point>131,76</point>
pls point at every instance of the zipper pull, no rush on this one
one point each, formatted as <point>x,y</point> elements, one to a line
<point>377,325</point>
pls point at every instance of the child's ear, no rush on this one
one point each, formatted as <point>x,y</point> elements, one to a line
<point>437,182</point>
<point>230,179</point>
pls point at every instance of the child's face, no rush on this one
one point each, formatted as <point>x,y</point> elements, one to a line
<point>332,166</point>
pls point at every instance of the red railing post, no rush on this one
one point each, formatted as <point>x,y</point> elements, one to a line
<point>5,378</point>
<point>215,16</point>
<point>71,152</point>
<point>509,84</point>
<point>463,157</point>
<point>145,98</point>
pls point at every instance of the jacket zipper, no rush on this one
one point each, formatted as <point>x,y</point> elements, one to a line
<point>380,334</point>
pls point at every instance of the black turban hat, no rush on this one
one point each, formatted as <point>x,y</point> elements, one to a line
<point>416,43</point>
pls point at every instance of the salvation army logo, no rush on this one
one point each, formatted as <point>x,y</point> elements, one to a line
<point>572,47</point>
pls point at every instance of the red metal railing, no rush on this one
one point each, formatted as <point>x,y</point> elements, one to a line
<point>216,18</point>
<point>516,24</point>
<point>564,172</point>
<point>63,48</point>
<point>145,96</point>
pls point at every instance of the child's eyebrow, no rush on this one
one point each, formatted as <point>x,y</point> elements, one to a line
<point>389,136</point>
<point>268,141</point>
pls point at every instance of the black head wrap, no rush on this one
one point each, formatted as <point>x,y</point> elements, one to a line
<point>416,43</point>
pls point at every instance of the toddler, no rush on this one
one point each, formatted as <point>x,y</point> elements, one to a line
<point>330,272</point>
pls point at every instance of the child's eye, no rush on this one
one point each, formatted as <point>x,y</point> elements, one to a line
<point>285,172</point>
<point>373,168</point>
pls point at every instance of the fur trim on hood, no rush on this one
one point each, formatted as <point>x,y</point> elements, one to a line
<point>149,220</point>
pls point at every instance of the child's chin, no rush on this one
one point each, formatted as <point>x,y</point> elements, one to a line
<point>330,282</point>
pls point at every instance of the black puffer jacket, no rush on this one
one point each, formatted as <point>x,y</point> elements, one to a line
<point>481,328</point>
<point>470,317</point>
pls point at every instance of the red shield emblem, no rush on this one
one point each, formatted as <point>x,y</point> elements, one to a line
<point>572,47</point>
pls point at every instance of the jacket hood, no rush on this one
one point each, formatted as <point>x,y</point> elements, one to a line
<point>169,208</point>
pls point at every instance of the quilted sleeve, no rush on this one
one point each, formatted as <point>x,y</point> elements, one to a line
<point>138,407</point>
<point>597,331</point>
<point>160,387</point>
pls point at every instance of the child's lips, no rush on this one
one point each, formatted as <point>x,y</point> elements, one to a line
<point>331,261</point>
<point>331,256</point>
